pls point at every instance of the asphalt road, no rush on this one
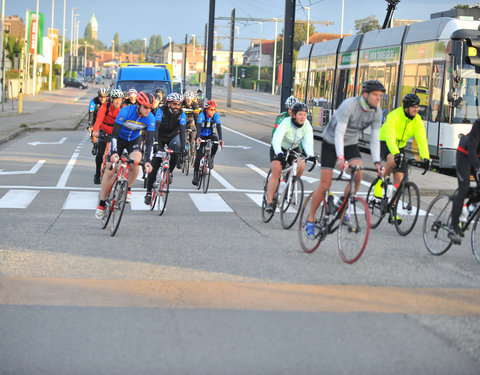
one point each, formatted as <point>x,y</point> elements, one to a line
<point>208,287</point>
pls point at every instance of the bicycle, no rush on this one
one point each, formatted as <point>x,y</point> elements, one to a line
<point>405,201</point>
<point>351,218</point>
<point>204,171</point>
<point>289,193</point>
<point>188,156</point>
<point>161,185</point>
<point>436,227</point>
<point>117,194</point>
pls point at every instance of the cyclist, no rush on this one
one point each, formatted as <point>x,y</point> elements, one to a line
<point>104,125</point>
<point>200,98</point>
<point>158,101</point>
<point>340,141</point>
<point>401,124</point>
<point>290,133</point>
<point>208,127</point>
<point>191,109</point>
<point>161,95</point>
<point>93,107</point>
<point>467,162</point>
<point>126,135</point>
<point>131,97</point>
<point>289,103</point>
<point>170,130</point>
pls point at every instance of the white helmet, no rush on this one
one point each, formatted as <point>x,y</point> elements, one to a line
<point>174,97</point>
<point>116,93</point>
<point>102,91</point>
<point>189,95</point>
<point>290,102</point>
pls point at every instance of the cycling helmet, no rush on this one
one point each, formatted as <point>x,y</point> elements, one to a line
<point>189,95</point>
<point>290,102</point>
<point>102,91</point>
<point>210,104</point>
<point>372,85</point>
<point>146,99</point>
<point>410,100</point>
<point>297,107</point>
<point>158,96</point>
<point>158,91</point>
<point>174,97</point>
<point>116,93</point>
<point>132,92</point>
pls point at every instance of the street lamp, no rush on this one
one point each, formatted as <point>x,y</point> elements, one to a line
<point>170,49</point>
<point>260,49</point>
<point>113,50</point>
<point>71,40</point>
<point>63,44</point>
<point>76,44</point>
<point>308,24</point>
<point>74,26</point>
<point>341,29</point>
<point>274,56</point>
<point>85,64</point>
<point>193,36</point>
<point>51,51</point>
<point>145,40</point>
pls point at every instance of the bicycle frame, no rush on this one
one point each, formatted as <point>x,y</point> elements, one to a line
<point>122,173</point>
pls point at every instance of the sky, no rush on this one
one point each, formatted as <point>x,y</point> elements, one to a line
<point>143,18</point>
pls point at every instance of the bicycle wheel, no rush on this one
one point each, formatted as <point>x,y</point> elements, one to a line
<point>186,161</point>
<point>476,239</point>
<point>206,176</point>
<point>267,216</point>
<point>121,190</point>
<point>155,186</point>
<point>200,173</point>
<point>291,203</point>
<point>376,206</point>
<point>310,243</point>
<point>436,225</point>
<point>163,192</point>
<point>353,231</point>
<point>407,208</point>
<point>108,208</point>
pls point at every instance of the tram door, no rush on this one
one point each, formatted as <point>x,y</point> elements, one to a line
<point>436,113</point>
<point>341,86</point>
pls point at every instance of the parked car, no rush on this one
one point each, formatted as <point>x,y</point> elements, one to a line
<point>72,82</point>
<point>88,79</point>
<point>99,80</point>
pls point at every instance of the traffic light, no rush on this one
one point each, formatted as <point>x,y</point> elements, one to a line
<point>473,53</point>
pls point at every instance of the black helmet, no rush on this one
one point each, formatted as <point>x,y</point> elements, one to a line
<point>372,85</point>
<point>299,107</point>
<point>410,100</point>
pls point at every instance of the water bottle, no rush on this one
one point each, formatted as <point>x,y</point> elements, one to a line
<point>390,190</point>
<point>339,203</point>
<point>330,204</point>
<point>471,209</point>
<point>282,186</point>
<point>463,215</point>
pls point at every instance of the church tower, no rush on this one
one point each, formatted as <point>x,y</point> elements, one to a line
<point>94,24</point>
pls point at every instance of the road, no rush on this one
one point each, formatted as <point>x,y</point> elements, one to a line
<point>208,287</point>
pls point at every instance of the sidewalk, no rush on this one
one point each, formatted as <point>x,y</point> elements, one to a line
<point>62,109</point>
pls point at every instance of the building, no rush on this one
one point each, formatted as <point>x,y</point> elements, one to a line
<point>252,55</point>
<point>323,37</point>
<point>94,25</point>
<point>469,14</point>
<point>14,26</point>
<point>402,22</point>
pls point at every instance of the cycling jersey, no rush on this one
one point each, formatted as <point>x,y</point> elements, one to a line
<point>398,129</point>
<point>349,120</point>
<point>207,125</point>
<point>288,136</point>
<point>191,111</point>
<point>105,120</point>
<point>470,145</point>
<point>128,102</point>
<point>93,108</point>
<point>132,123</point>
<point>169,124</point>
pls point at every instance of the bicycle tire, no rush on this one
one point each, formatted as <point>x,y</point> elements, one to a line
<point>108,209</point>
<point>206,176</point>
<point>163,192</point>
<point>354,230</point>
<point>200,175</point>
<point>309,245</point>
<point>291,203</point>
<point>436,226</point>
<point>267,216</point>
<point>186,161</point>
<point>119,205</point>
<point>408,206</point>
<point>475,238</point>
<point>377,208</point>
<point>154,195</point>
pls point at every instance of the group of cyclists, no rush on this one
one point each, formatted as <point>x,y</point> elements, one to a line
<point>144,124</point>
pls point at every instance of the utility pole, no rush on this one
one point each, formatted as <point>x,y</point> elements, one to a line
<point>71,41</point>
<point>230,65</point>
<point>51,51</point>
<point>185,64</point>
<point>2,55</point>
<point>211,26</point>
<point>62,72</point>
<point>274,58</point>
<point>289,28</point>
<point>205,49</point>
<point>35,52</point>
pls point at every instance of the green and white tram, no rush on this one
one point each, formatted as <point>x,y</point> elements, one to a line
<point>436,59</point>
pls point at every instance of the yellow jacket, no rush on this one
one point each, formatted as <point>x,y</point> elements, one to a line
<point>398,129</point>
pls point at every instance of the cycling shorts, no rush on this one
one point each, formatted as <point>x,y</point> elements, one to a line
<point>329,155</point>
<point>291,157</point>
<point>384,151</point>
<point>130,146</point>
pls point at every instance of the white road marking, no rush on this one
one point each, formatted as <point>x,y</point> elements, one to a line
<point>220,179</point>
<point>211,202</point>
<point>18,198</point>
<point>68,169</point>
<point>242,147</point>
<point>137,202</point>
<point>261,172</point>
<point>246,136</point>
<point>81,200</point>
<point>32,170</point>
<point>48,143</point>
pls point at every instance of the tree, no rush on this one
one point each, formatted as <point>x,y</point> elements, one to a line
<point>152,44</point>
<point>12,46</point>
<point>299,38</point>
<point>364,25</point>
<point>116,40</point>
<point>159,42</point>
<point>87,35</point>
<point>461,6</point>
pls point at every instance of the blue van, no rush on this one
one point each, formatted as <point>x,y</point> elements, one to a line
<point>146,78</point>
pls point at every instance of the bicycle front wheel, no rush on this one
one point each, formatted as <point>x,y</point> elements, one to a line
<point>476,239</point>
<point>353,231</point>
<point>163,192</point>
<point>201,176</point>
<point>267,216</point>
<point>108,209</point>
<point>118,202</point>
<point>291,203</point>
<point>376,206</point>
<point>206,176</point>
<point>309,242</point>
<point>153,201</point>
<point>405,211</point>
<point>437,224</point>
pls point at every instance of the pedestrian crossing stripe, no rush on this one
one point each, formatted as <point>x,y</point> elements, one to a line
<point>211,202</point>
<point>18,198</point>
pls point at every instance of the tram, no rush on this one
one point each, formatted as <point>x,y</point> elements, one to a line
<point>436,59</point>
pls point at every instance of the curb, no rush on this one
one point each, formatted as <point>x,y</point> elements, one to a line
<point>19,132</point>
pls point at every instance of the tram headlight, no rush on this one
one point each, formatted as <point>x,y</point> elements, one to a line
<point>473,55</point>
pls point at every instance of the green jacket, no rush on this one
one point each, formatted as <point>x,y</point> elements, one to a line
<point>398,129</point>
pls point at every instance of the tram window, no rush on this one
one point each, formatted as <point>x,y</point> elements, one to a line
<point>416,79</point>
